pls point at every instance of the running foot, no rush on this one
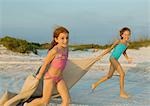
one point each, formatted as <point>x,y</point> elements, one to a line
<point>93,86</point>
<point>124,95</point>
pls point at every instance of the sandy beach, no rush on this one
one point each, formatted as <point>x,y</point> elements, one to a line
<point>15,67</point>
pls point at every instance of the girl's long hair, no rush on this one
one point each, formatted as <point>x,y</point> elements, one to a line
<point>56,33</point>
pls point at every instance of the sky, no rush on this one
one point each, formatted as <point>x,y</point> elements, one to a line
<point>88,21</point>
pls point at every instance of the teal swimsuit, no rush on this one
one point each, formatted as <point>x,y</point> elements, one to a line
<point>118,50</point>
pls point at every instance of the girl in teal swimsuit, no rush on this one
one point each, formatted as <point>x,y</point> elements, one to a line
<point>119,47</point>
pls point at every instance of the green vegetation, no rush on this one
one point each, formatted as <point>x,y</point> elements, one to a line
<point>18,45</point>
<point>23,46</point>
<point>45,46</point>
<point>139,43</point>
<point>85,47</point>
<point>144,42</point>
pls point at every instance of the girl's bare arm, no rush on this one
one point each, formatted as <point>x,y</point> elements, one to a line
<point>51,54</point>
<point>127,58</point>
<point>108,49</point>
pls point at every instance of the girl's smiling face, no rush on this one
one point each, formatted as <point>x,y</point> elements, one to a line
<point>62,39</point>
<point>126,35</point>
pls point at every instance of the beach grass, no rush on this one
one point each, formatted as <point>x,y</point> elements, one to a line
<point>23,46</point>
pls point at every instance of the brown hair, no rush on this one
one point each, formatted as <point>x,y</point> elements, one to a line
<point>123,30</point>
<point>56,33</point>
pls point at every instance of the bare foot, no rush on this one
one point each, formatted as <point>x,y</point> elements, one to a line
<point>93,86</point>
<point>124,95</point>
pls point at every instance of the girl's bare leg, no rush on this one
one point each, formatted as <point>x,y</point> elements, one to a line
<point>104,78</point>
<point>119,69</point>
<point>64,93</point>
<point>47,91</point>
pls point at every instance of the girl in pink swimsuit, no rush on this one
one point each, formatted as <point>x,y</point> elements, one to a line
<point>58,63</point>
<point>57,58</point>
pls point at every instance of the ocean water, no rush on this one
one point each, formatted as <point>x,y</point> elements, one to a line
<point>137,84</point>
